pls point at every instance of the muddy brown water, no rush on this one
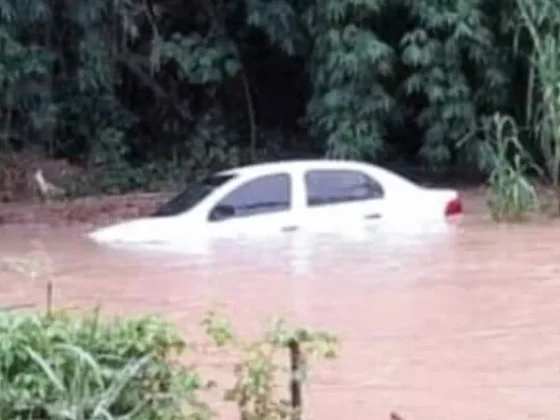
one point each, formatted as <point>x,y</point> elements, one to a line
<point>461,323</point>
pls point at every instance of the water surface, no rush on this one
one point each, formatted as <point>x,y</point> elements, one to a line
<point>457,323</point>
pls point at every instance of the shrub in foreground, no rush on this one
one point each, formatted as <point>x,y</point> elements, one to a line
<point>68,367</point>
<point>62,367</point>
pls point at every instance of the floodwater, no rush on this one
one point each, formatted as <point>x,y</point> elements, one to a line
<point>459,323</point>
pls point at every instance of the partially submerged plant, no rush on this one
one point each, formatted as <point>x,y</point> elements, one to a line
<point>511,194</point>
<point>541,20</point>
<point>263,362</point>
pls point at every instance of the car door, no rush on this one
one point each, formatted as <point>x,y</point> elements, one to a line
<point>338,199</point>
<point>259,207</point>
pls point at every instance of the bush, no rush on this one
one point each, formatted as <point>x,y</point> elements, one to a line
<point>511,194</point>
<point>62,367</point>
<point>261,363</point>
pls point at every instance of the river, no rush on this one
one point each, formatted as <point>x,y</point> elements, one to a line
<point>460,323</point>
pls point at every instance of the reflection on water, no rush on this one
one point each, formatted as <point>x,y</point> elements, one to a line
<point>457,321</point>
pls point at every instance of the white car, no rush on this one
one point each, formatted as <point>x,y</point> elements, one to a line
<point>276,198</point>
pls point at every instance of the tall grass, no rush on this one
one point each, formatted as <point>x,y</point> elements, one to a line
<point>62,367</point>
<point>82,393</point>
<point>541,20</point>
<point>511,194</point>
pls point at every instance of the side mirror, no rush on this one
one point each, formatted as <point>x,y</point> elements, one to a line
<point>221,212</point>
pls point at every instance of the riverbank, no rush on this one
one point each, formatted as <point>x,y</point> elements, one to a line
<point>21,203</point>
<point>89,210</point>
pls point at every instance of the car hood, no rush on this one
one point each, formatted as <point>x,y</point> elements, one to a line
<point>136,231</point>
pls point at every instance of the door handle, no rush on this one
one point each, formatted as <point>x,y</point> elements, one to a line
<point>372,216</point>
<point>289,228</point>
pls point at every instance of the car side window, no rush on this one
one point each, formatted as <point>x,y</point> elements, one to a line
<point>326,187</point>
<point>267,194</point>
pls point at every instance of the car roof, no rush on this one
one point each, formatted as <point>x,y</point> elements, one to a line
<point>291,165</point>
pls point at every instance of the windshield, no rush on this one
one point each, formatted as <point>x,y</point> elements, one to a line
<point>193,194</point>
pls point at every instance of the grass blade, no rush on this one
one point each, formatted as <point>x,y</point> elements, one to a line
<point>86,358</point>
<point>37,358</point>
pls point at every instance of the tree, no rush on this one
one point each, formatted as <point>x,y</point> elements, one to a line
<point>139,86</point>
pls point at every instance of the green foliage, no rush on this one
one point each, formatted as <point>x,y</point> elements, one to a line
<point>262,363</point>
<point>436,72</point>
<point>349,104</point>
<point>511,195</point>
<point>202,60</point>
<point>63,367</point>
<point>81,367</point>
<point>541,19</point>
<point>454,69</point>
<point>364,79</point>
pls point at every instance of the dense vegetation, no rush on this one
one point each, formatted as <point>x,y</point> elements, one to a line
<point>61,367</point>
<point>83,367</point>
<point>141,87</point>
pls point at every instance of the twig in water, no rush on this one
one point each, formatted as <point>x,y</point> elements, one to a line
<point>49,297</point>
<point>295,383</point>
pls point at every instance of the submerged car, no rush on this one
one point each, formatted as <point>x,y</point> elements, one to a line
<point>287,196</point>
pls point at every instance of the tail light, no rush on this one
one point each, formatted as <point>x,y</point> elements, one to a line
<point>454,207</point>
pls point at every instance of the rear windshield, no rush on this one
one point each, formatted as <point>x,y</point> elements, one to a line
<point>193,194</point>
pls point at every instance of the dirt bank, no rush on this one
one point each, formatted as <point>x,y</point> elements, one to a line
<point>91,210</point>
<point>21,203</point>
